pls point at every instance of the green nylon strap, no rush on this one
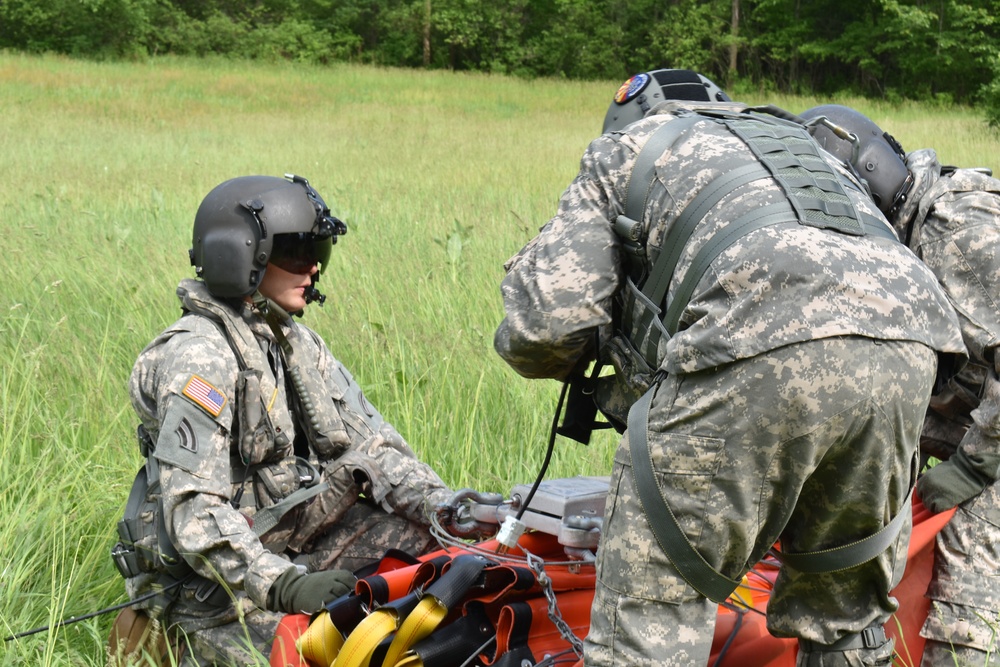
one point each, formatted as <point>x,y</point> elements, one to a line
<point>643,171</point>
<point>849,555</point>
<point>680,232</point>
<point>267,518</point>
<point>689,563</point>
<point>762,217</point>
<point>662,272</point>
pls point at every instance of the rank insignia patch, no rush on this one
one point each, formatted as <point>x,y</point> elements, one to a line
<point>205,395</point>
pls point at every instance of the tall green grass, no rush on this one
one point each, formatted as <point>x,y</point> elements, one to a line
<point>440,176</point>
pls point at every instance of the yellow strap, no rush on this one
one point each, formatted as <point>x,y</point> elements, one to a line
<point>419,623</point>
<point>321,641</point>
<point>363,640</point>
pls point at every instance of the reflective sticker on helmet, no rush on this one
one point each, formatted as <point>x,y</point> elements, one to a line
<point>631,88</point>
<point>205,395</point>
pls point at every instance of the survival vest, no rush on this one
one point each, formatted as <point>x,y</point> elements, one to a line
<point>271,480</point>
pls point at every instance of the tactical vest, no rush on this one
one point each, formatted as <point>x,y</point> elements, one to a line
<point>268,479</point>
<point>814,195</point>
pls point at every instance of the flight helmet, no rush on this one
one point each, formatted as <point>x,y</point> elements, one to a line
<point>875,155</point>
<point>247,222</point>
<point>642,92</point>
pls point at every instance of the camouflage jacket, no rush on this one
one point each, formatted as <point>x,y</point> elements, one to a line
<point>193,398</point>
<point>775,286</point>
<point>952,221</point>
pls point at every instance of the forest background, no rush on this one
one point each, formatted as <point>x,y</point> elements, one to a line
<point>945,50</point>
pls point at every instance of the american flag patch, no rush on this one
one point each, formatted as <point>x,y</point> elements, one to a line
<point>205,395</point>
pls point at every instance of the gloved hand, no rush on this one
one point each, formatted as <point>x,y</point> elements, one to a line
<point>951,483</point>
<point>296,592</point>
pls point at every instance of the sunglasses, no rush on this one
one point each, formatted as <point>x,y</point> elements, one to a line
<point>300,252</point>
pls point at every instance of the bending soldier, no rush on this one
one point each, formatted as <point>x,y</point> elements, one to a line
<point>951,220</point>
<point>777,345</point>
<point>269,476</point>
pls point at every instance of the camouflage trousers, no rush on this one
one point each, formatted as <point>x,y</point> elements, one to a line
<point>951,655</point>
<point>964,618</point>
<point>242,634</point>
<point>814,444</point>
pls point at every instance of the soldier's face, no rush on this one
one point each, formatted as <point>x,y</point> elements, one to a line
<point>285,288</point>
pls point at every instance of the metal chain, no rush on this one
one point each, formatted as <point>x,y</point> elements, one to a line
<point>537,566</point>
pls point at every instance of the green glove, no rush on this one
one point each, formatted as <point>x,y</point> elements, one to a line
<point>299,592</point>
<point>951,483</point>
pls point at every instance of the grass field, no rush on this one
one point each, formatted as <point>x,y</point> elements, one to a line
<point>440,178</point>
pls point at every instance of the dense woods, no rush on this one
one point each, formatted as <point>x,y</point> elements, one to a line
<point>940,50</point>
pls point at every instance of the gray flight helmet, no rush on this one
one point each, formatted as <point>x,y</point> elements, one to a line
<point>642,92</point>
<point>237,222</point>
<point>875,155</point>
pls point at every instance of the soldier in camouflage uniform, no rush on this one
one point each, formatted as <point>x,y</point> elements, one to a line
<point>786,404</point>
<point>269,473</point>
<point>951,220</point>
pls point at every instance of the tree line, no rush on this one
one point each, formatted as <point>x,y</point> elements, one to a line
<point>943,50</point>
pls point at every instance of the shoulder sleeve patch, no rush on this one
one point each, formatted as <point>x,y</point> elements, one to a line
<point>210,399</point>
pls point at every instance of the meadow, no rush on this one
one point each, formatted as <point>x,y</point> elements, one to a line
<point>440,177</point>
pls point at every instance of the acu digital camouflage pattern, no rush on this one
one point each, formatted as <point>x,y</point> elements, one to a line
<point>776,361</point>
<point>953,220</point>
<point>775,286</point>
<point>813,443</point>
<point>204,464</point>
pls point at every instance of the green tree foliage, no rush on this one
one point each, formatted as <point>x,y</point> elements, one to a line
<point>97,28</point>
<point>925,49</point>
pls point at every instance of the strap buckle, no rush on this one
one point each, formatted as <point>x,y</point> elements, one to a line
<point>874,636</point>
<point>125,560</point>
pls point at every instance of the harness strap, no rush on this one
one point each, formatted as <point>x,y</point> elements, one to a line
<point>321,642</point>
<point>645,164</point>
<point>267,518</point>
<point>765,216</point>
<point>694,569</point>
<point>690,564</point>
<point>849,555</point>
<point>677,237</point>
<point>662,272</point>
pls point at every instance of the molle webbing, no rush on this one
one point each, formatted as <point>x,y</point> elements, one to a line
<point>813,188</point>
<point>785,151</point>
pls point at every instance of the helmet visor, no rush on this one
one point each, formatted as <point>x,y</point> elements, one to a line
<point>299,252</point>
